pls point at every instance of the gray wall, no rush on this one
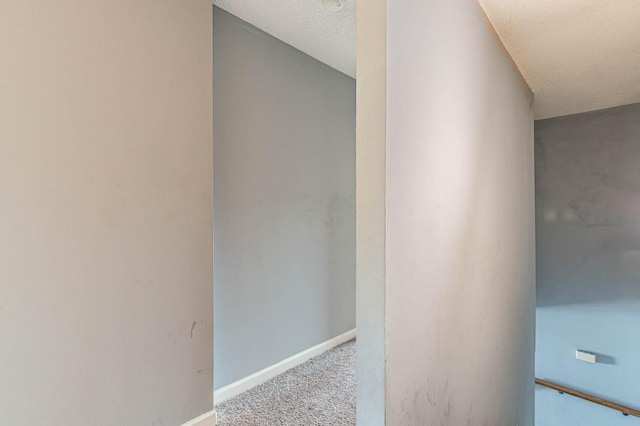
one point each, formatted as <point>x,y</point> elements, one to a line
<point>105,212</point>
<point>588,251</point>
<point>459,284</point>
<point>284,200</point>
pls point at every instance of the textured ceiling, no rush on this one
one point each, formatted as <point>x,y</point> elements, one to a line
<point>576,55</point>
<point>306,25</point>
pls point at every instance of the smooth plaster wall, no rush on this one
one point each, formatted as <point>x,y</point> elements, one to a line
<point>284,200</point>
<point>105,212</point>
<point>588,251</point>
<point>459,240</point>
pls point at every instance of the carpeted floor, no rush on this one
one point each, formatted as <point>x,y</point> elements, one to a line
<point>320,392</point>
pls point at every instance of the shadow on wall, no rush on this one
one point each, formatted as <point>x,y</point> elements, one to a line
<point>588,208</point>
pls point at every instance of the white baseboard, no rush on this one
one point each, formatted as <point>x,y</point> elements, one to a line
<point>269,373</point>
<point>207,419</point>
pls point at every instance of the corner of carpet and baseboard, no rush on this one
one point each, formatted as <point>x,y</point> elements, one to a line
<point>262,376</point>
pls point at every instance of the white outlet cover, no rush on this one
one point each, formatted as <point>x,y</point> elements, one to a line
<point>586,356</point>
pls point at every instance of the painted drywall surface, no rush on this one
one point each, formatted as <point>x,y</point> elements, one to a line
<point>284,200</point>
<point>105,212</point>
<point>370,211</point>
<point>460,290</point>
<point>588,262</point>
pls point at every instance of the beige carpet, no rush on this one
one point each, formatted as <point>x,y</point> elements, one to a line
<point>320,392</point>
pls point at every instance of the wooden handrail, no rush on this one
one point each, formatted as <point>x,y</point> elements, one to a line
<point>591,398</point>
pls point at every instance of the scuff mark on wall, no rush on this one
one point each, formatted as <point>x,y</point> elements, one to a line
<point>193,326</point>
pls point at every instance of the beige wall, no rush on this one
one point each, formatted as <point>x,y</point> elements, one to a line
<point>105,212</point>
<point>458,283</point>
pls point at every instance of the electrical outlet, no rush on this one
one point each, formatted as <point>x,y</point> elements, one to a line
<point>586,356</point>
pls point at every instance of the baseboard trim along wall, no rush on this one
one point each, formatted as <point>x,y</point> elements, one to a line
<point>269,373</point>
<point>207,419</point>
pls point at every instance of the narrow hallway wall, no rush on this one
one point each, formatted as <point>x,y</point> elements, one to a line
<point>284,200</point>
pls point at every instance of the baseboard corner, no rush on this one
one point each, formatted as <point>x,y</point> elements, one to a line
<point>207,419</point>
